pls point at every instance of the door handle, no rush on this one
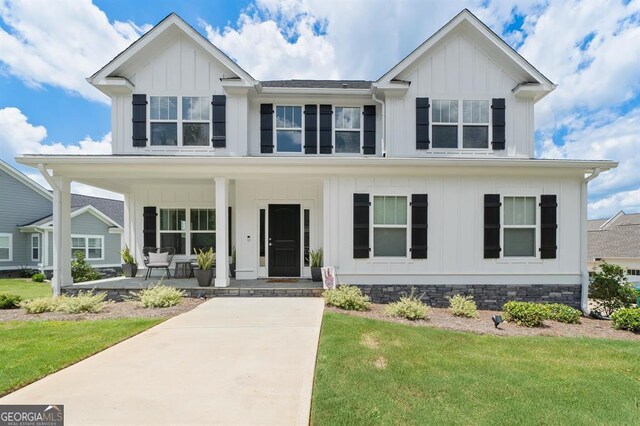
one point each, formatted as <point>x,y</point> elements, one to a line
<point>270,244</point>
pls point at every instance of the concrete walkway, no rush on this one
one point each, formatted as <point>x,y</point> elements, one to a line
<point>231,361</point>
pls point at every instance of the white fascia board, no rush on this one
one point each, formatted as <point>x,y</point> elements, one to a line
<point>172,20</point>
<point>114,86</point>
<point>465,16</point>
<point>533,91</point>
<point>88,208</point>
<point>70,162</point>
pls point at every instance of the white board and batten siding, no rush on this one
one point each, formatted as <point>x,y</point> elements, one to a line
<point>455,232</point>
<point>460,68</point>
<point>177,66</point>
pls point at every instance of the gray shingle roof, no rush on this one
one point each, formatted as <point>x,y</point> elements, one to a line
<point>318,84</point>
<point>112,208</point>
<point>620,238</point>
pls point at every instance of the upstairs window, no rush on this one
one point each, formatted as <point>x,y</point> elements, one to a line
<point>164,120</point>
<point>519,226</point>
<point>289,128</point>
<point>195,121</point>
<point>347,130</point>
<point>455,129</point>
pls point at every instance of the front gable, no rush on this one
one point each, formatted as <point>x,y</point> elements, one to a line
<point>170,56</point>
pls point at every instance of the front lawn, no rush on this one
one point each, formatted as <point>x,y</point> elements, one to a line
<point>377,372</point>
<point>32,350</point>
<point>24,288</point>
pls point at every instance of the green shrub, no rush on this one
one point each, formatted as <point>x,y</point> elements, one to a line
<point>38,278</point>
<point>81,271</point>
<point>127,257</point>
<point>26,272</point>
<point>40,305</point>
<point>526,314</point>
<point>563,313</point>
<point>609,289</point>
<point>463,306</point>
<point>160,296</point>
<point>10,301</point>
<point>409,307</point>
<point>83,302</point>
<point>626,319</point>
<point>347,297</point>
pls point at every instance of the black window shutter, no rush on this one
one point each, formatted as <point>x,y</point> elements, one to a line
<point>369,136</point>
<point>492,226</point>
<point>149,226</point>
<point>419,224</point>
<point>360,226</point>
<point>498,123</point>
<point>310,129</point>
<point>326,147</point>
<point>548,226</point>
<point>139,119</point>
<point>266,128</point>
<point>422,123</point>
<point>219,121</point>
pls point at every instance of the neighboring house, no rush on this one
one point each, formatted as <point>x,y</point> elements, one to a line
<point>616,240</point>
<point>26,226</point>
<point>423,178</point>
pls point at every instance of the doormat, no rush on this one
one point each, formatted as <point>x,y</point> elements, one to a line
<point>282,280</point>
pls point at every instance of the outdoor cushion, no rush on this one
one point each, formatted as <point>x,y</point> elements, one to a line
<point>158,265</point>
<point>158,259</point>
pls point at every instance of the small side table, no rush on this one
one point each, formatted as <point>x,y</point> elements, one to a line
<point>183,269</point>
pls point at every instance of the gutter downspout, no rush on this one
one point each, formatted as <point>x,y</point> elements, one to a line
<point>584,299</point>
<point>384,145</point>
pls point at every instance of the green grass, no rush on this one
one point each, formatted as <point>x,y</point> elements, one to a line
<point>24,288</point>
<point>442,377</point>
<point>34,349</point>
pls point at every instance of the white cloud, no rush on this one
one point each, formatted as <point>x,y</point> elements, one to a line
<point>18,136</point>
<point>60,42</point>
<point>617,140</point>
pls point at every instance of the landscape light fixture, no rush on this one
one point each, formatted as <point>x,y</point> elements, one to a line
<point>497,319</point>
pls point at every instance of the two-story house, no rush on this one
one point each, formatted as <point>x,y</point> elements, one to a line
<point>423,178</point>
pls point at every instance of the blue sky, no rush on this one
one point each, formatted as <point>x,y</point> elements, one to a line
<point>48,47</point>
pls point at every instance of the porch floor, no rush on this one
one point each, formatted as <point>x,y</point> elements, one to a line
<point>137,283</point>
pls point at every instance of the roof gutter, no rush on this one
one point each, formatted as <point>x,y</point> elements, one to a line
<point>383,140</point>
<point>584,299</point>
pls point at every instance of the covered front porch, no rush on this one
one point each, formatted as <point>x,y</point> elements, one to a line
<point>260,220</point>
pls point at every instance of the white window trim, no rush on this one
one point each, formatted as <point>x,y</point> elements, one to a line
<point>179,121</point>
<point>37,237</point>
<point>276,128</point>
<point>536,249</point>
<point>405,226</point>
<point>187,231</point>
<point>460,123</point>
<point>334,129</point>
<point>10,258</point>
<point>86,246</point>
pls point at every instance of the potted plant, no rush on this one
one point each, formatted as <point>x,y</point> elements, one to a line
<point>316,264</point>
<point>206,261</point>
<point>232,266</point>
<point>129,267</point>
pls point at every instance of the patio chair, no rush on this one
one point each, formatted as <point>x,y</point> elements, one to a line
<point>158,258</point>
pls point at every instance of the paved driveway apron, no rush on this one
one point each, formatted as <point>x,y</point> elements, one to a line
<point>228,361</point>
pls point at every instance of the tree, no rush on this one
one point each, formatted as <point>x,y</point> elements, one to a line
<point>610,290</point>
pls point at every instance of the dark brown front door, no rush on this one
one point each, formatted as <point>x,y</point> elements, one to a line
<point>284,240</point>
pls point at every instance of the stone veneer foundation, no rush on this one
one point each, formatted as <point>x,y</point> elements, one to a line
<point>491,296</point>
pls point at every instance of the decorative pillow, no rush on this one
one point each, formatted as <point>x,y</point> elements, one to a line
<point>158,257</point>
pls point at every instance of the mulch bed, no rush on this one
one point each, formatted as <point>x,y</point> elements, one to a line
<point>127,309</point>
<point>441,318</point>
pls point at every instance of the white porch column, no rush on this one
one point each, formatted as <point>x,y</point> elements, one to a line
<point>222,223</point>
<point>61,234</point>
